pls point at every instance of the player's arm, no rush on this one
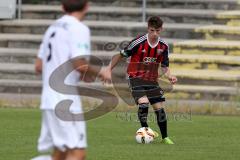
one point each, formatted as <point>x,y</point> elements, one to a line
<point>165,68</point>
<point>82,66</point>
<point>38,66</point>
<point>107,71</point>
<point>90,72</point>
<point>125,53</point>
<point>167,73</point>
<point>115,60</point>
<point>38,61</point>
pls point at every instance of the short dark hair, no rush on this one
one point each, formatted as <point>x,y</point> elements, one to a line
<point>74,5</point>
<point>155,22</point>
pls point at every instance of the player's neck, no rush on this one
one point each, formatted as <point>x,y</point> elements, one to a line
<point>77,15</point>
<point>152,41</point>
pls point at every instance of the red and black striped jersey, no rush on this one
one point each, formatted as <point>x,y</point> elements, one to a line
<point>145,58</point>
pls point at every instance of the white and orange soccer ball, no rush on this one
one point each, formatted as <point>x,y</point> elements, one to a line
<point>145,135</point>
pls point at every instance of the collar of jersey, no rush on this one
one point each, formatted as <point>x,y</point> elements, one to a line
<point>151,44</point>
<point>71,18</point>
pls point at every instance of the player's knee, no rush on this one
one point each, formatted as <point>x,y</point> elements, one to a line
<point>143,105</point>
<point>143,109</point>
<point>58,155</point>
<point>77,154</point>
<point>143,100</point>
<point>80,155</point>
<point>158,106</point>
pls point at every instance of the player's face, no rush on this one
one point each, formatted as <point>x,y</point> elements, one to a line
<point>154,33</point>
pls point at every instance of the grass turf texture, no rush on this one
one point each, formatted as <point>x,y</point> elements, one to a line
<point>112,138</point>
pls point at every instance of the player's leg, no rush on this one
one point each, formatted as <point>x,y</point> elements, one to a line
<point>161,118</point>
<point>156,98</point>
<point>162,121</point>
<point>138,92</point>
<point>143,106</point>
<point>45,141</point>
<point>59,155</point>
<point>67,135</point>
<point>138,88</point>
<point>76,154</point>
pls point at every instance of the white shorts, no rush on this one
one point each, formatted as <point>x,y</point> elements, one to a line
<point>59,134</point>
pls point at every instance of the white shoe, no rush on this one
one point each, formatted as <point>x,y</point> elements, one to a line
<point>44,157</point>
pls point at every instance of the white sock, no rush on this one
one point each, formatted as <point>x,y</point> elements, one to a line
<point>44,157</point>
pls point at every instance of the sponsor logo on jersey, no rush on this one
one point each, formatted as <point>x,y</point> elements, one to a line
<point>149,60</point>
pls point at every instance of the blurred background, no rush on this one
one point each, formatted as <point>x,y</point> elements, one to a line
<point>203,36</point>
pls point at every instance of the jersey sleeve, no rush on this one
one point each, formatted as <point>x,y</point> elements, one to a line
<point>44,46</point>
<point>165,62</point>
<point>41,51</point>
<point>80,44</point>
<point>130,49</point>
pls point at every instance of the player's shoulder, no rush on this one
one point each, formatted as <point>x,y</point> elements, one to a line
<point>163,42</point>
<point>73,25</point>
<point>137,41</point>
<point>140,38</point>
<point>79,28</point>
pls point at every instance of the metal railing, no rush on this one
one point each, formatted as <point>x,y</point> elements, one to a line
<point>144,10</point>
<point>19,15</point>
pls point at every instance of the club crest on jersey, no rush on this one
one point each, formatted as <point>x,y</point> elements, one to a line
<point>159,51</point>
<point>149,60</point>
<point>143,51</point>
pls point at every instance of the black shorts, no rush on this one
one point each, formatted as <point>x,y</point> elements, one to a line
<point>151,89</point>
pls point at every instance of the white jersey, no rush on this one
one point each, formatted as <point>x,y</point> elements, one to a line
<point>65,39</point>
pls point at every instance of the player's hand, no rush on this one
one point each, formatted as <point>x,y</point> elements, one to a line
<point>106,74</point>
<point>173,79</point>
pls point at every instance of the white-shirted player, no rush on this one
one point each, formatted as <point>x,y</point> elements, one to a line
<point>65,39</point>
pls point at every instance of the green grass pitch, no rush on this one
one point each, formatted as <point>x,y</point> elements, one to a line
<point>112,138</point>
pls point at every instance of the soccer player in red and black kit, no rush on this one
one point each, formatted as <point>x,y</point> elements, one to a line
<point>148,52</point>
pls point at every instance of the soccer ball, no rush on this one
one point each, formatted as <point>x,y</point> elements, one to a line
<point>145,135</point>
